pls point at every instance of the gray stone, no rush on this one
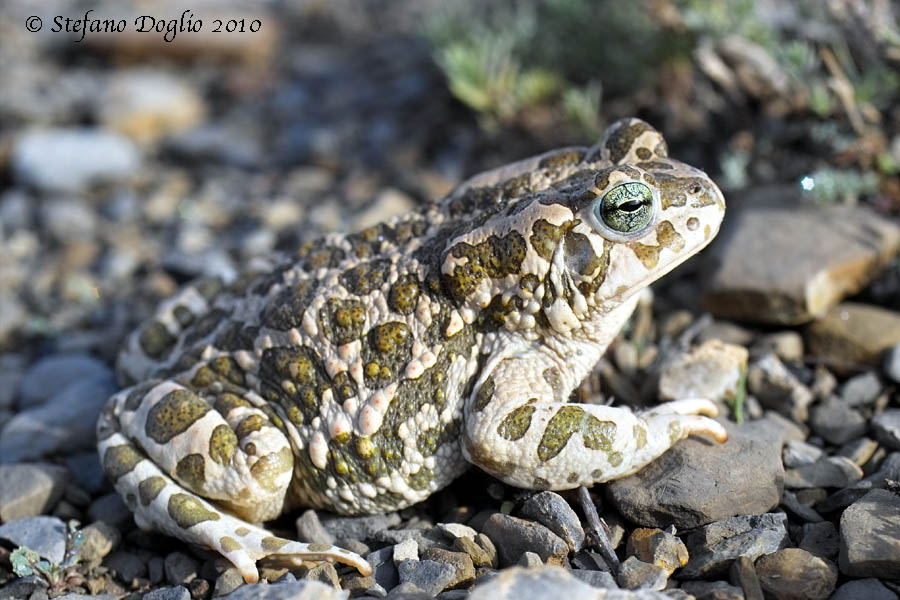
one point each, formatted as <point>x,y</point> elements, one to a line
<point>798,454</point>
<point>886,428</point>
<point>657,547</point>
<point>553,512</point>
<point>743,574</point>
<point>834,252</point>
<point>597,579</point>
<point>820,538</point>
<point>29,490</point>
<point>68,220</point>
<point>54,373</point>
<point>63,424</point>
<point>110,509</point>
<point>359,528</point>
<point>831,471</point>
<point>635,574</point>
<point>861,390</point>
<point>424,538</point>
<point>71,159</point>
<point>529,559</point>
<point>456,530</point>
<point>712,590</point>
<point>480,558</point>
<point>126,566</point>
<point>776,387</point>
<point>889,470</point>
<point>870,536</point>
<point>85,469</point>
<point>549,582</point>
<point>180,568</point>
<point>870,589</point>
<point>513,536</point>
<point>787,345</point>
<point>697,481</point>
<point>406,550</point>
<point>853,334</point>
<point>713,547</point>
<point>326,573</point>
<point>296,590</point>
<point>99,540</point>
<point>44,535</point>
<point>859,451</point>
<point>428,575</point>
<point>891,364</point>
<point>460,561</point>
<point>227,581</point>
<point>156,569</point>
<point>168,593</point>
<point>311,530</point>
<point>836,422</point>
<point>795,573</point>
<point>790,502</point>
<point>382,562</point>
<point>485,543</point>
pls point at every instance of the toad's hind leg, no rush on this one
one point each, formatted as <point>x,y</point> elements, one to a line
<point>203,473</point>
<point>522,432</point>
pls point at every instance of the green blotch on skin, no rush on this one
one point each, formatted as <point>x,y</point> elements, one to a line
<point>183,315</point>
<point>404,295</point>
<point>156,340</point>
<point>389,336</point>
<point>191,471</point>
<point>545,237</point>
<point>640,437</point>
<point>269,468</point>
<point>150,488</point>
<point>621,140</point>
<point>666,237</point>
<point>674,432</point>
<point>421,479</point>
<point>559,429</point>
<point>222,444</point>
<point>484,395</point>
<point>187,511</point>
<point>342,321</point>
<point>319,548</point>
<point>599,435</point>
<point>119,460</point>
<point>227,402</point>
<point>241,531</point>
<point>228,544</point>
<point>286,310</point>
<point>273,544</point>
<point>615,458</point>
<point>248,425</point>
<point>228,368</point>
<point>174,414</point>
<point>494,258</point>
<point>515,425</point>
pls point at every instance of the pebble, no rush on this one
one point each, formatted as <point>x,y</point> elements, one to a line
<point>68,220</point>
<point>635,574</point>
<point>325,573</point>
<point>798,453</point>
<point>293,590</point>
<point>870,536</point>
<point>837,422</point>
<point>713,547</point>
<point>480,558</point>
<point>311,530</point>
<point>835,251</point>
<point>513,536</point>
<point>743,574</point>
<point>428,575</point>
<point>126,565</point>
<point>456,530</point>
<point>86,470</point>
<point>406,550</point>
<point>227,581</point>
<point>712,371</point>
<point>460,561</point>
<point>359,528</point>
<point>861,390</point>
<point>485,543</point>
<point>597,579</point>
<point>657,547</point>
<point>64,424</point>
<point>68,160</point>
<point>820,538</point>
<point>529,559</point>
<point>859,450</point>
<point>712,590</point>
<point>553,512</point>
<point>27,490</point>
<point>853,334</point>
<point>787,345</point>
<point>168,593</point>
<point>870,589</point>
<point>54,373</point>
<point>111,509</point>
<point>776,387</point>
<point>891,363</point>
<point>697,482</point>
<point>793,573</point>
<point>382,562</point>
<point>424,538</point>
<point>886,428</point>
<point>830,471</point>
<point>45,535</point>
<point>146,104</point>
<point>180,568</point>
<point>546,581</point>
<point>99,540</point>
<point>727,332</point>
<point>889,470</point>
<point>791,503</point>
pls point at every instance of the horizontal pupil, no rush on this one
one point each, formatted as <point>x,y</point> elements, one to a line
<point>631,205</point>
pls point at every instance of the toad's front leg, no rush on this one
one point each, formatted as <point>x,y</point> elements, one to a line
<point>520,429</point>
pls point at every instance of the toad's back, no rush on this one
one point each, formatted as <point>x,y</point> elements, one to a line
<point>368,370</point>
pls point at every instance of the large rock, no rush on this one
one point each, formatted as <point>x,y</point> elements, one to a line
<point>789,264</point>
<point>870,536</point>
<point>853,334</point>
<point>793,573</point>
<point>698,481</point>
<point>715,546</point>
<point>29,490</point>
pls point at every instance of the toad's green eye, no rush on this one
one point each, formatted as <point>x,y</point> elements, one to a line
<point>626,209</point>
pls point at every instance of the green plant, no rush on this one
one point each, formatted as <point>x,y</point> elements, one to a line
<point>26,562</point>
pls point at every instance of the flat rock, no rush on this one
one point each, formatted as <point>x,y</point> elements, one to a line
<point>699,481</point>
<point>51,374</point>
<point>553,512</point>
<point>514,536</point>
<point>549,581</point>
<point>68,160</point>
<point>829,471</point>
<point>853,334</point>
<point>712,370</point>
<point>311,530</point>
<point>776,387</point>
<point>888,470</point>
<point>713,547</point>
<point>296,590</point>
<point>870,536</point>
<point>27,490</point>
<point>429,576</point>
<point>834,252</point>
<point>358,528</point>
<point>45,535</point>
<point>870,589</point>
<point>836,422</point>
<point>793,573</point>
<point>861,390</point>
<point>820,538</point>
<point>886,427</point>
<point>65,423</point>
<point>636,574</point>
